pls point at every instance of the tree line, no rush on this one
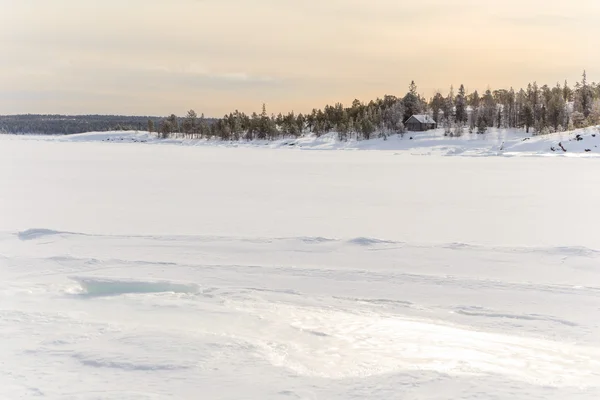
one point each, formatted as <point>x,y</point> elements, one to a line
<point>535,109</point>
<point>70,124</point>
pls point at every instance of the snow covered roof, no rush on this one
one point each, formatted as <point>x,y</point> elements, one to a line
<point>423,118</point>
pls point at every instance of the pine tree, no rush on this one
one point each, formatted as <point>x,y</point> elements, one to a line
<point>481,124</point>
<point>203,128</point>
<point>392,117</point>
<point>437,104</point>
<point>165,129</point>
<point>266,126</point>
<point>474,99</point>
<point>535,92</point>
<point>461,106</point>
<point>189,123</point>
<point>556,109</point>
<point>300,122</point>
<point>366,127</point>
<point>489,108</point>
<point>412,103</point>
<point>412,88</point>
<point>173,123</point>
<point>585,96</point>
<point>511,109</point>
<point>527,116</point>
<point>448,106</point>
<point>594,118</point>
<point>499,119</point>
<point>567,93</point>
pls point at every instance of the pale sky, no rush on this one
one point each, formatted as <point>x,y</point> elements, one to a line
<point>157,57</point>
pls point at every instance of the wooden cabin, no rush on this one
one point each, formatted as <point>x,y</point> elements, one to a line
<point>420,123</point>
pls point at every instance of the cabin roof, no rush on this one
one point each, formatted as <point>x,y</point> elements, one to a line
<point>422,118</point>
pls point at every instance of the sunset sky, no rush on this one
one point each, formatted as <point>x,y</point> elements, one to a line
<point>156,57</point>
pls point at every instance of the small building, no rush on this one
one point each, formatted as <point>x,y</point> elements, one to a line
<point>419,123</point>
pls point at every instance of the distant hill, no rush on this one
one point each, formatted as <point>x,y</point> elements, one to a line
<point>70,124</point>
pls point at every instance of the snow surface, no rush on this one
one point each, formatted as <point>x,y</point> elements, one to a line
<point>135,271</point>
<point>497,142</point>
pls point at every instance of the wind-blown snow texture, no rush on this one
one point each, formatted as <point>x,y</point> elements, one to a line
<point>151,272</point>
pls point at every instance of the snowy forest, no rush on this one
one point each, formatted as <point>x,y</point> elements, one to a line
<point>535,109</point>
<point>70,124</point>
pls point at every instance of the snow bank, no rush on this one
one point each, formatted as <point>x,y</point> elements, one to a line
<point>584,141</point>
<point>495,142</point>
<point>117,136</point>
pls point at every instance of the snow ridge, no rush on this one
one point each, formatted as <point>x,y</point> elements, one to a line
<point>361,241</point>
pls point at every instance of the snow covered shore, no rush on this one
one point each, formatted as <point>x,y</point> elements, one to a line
<point>494,142</point>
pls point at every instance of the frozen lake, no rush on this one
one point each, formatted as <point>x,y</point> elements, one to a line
<point>151,189</point>
<point>137,271</point>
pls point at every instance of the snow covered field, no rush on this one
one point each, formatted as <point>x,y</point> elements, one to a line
<point>136,271</point>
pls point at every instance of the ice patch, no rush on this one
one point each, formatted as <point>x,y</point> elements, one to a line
<point>479,312</point>
<point>103,287</point>
<point>365,241</point>
<point>124,364</point>
<point>315,240</point>
<point>459,246</point>
<point>278,291</point>
<point>576,251</point>
<point>376,301</point>
<point>32,234</point>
